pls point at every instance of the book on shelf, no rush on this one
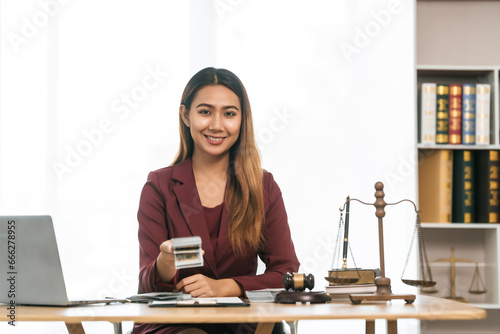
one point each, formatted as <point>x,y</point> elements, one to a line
<point>442,113</point>
<point>463,187</point>
<point>483,96</point>
<point>487,186</point>
<point>435,186</point>
<point>428,113</point>
<point>468,114</point>
<point>455,114</point>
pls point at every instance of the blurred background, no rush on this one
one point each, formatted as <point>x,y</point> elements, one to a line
<point>89,96</point>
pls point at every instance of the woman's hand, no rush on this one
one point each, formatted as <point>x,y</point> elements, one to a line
<point>202,286</point>
<point>165,263</point>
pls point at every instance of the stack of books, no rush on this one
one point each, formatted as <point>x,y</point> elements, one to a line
<point>459,186</point>
<point>455,113</point>
<point>343,291</point>
<point>365,283</point>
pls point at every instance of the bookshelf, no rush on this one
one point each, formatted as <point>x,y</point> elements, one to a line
<point>458,42</point>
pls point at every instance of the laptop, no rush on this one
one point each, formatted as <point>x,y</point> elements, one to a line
<point>30,264</point>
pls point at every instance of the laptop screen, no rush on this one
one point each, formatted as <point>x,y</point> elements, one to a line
<point>29,259</point>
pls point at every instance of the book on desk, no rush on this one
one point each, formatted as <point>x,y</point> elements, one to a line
<point>343,291</point>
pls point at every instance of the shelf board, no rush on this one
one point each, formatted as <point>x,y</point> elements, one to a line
<point>457,147</point>
<point>487,306</point>
<point>460,225</point>
<point>455,68</point>
<point>458,264</point>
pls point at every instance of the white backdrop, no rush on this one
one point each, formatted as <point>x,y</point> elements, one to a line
<point>89,94</point>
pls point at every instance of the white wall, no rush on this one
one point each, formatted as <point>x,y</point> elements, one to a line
<point>332,90</point>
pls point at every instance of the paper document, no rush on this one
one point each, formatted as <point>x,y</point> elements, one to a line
<point>219,301</point>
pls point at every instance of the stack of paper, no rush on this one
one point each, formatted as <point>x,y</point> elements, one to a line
<point>263,296</point>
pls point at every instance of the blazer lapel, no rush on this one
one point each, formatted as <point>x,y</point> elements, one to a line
<point>192,210</point>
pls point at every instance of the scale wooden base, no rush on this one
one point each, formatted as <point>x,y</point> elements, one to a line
<point>383,293</point>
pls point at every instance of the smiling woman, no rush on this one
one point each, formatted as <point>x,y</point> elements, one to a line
<point>215,189</point>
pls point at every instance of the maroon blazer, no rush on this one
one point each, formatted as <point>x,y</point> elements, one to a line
<point>170,208</point>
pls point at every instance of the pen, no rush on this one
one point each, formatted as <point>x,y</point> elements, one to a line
<point>346,234</point>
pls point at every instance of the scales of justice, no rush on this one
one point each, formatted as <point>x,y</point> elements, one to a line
<point>344,275</point>
<point>477,286</point>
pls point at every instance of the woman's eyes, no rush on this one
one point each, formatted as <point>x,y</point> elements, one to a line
<point>207,112</point>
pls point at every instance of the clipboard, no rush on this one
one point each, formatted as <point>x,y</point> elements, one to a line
<point>201,302</point>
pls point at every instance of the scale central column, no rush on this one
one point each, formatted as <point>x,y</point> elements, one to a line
<point>383,283</point>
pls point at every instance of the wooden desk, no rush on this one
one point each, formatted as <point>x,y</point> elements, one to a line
<point>266,314</point>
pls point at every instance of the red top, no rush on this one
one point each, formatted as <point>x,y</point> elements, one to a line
<point>213,217</point>
<point>170,207</point>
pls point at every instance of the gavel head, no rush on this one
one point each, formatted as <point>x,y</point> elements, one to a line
<point>298,282</point>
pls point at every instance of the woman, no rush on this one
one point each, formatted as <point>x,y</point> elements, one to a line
<point>215,189</point>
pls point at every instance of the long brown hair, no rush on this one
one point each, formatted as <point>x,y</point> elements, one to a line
<point>244,190</point>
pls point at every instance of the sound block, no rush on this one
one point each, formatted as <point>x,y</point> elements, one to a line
<point>292,297</point>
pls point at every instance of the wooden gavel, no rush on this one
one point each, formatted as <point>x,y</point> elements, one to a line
<point>298,282</point>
